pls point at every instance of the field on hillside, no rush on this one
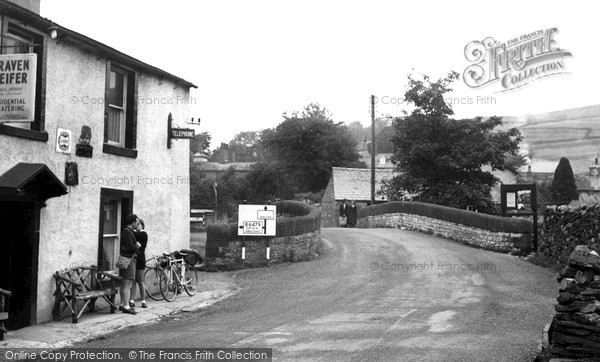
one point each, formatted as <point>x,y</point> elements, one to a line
<point>572,133</point>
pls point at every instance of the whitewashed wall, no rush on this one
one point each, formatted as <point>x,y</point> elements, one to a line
<point>159,177</point>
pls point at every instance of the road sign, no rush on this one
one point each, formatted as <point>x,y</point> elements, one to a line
<point>257,220</point>
<point>253,228</point>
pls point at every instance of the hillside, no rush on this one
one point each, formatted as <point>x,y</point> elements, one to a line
<point>571,133</point>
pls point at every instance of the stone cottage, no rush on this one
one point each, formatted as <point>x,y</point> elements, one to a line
<point>350,184</point>
<point>83,142</point>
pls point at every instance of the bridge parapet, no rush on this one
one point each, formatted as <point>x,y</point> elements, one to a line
<point>488,232</point>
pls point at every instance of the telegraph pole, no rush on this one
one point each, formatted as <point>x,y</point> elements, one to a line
<point>216,203</point>
<point>372,150</point>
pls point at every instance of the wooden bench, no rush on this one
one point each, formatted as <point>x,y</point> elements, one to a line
<point>4,295</point>
<point>84,284</point>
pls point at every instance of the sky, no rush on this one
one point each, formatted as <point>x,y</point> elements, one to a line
<point>254,60</point>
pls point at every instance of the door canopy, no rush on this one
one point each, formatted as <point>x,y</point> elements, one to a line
<point>32,181</point>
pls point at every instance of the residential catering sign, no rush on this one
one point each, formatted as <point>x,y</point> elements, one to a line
<point>17,87</point>
<point>516,62</point>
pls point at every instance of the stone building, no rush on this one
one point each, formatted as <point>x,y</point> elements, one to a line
<point>504,177</point>
<point>213,170</point>
<point>350,184</point>
<point>92,150</point>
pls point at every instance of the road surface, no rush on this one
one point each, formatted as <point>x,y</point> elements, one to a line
<point>374,294</point>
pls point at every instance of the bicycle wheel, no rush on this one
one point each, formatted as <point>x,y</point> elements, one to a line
<point>191,281</point>
<point>168,285</point>
<point>152,281</point>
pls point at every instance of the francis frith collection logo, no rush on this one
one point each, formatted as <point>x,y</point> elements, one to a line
<point>516,62</point>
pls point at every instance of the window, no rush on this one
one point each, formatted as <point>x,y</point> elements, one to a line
<point>117,107</point>
<point>18,40</point>
<point>120,112</point>
<point>110,234</point>
<point>115,205</point>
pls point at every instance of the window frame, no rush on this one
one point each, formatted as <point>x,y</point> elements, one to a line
<point>40,47</point>
<point>116,236</point>
<point>125,198</point>
<point>122,109</point>
<point>128,147</point>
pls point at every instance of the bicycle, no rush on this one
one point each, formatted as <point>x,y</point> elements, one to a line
<point>176,276</point>
<point>152,276</point>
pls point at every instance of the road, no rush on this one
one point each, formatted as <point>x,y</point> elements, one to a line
<point>374,294</point>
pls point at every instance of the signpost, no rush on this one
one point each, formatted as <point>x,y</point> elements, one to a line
<point>177,133</point>
<point>257,220</point>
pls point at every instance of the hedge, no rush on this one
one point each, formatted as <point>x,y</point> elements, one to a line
<point>464,217</point>
<point>303,218</point>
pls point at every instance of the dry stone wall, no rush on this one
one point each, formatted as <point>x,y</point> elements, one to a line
<point>564,227</point>
<point>485,239</point>
<point>575,328</point>
<point>295,248</point>
<point>298,239</point>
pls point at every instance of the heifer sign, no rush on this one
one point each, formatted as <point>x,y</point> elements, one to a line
<point>17,87</point>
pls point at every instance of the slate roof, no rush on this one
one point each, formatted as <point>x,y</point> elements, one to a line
<point>539,166</point>
<point>355,183</point>
<point>579,166</point>
<point>215,166</point>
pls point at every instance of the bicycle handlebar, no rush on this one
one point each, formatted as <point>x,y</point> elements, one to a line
<point>171,254</point>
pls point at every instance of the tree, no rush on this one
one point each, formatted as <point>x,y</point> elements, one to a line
<point>439,159</point>
<point>232,189</point>
<point>514,162</point>
<point>200,142</point>
<point>265,182</point>
<point>201,193</point>
<point>383,134</point>
<point>242,148</point>
<point>563,189</point>
<point>358,133</point>
<point>199,190</point>
<point>305,146</point>
<point>362,135</point>
<point>544,196</point>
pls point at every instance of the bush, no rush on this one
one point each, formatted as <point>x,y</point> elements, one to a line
<point>563,189</point>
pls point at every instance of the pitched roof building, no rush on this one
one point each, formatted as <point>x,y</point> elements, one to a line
<point>92,148</point>
<point>350,184</point>
<point>214,169</point>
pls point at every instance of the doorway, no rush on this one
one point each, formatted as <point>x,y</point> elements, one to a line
<point>115,205</point>
<point>19,260</point>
